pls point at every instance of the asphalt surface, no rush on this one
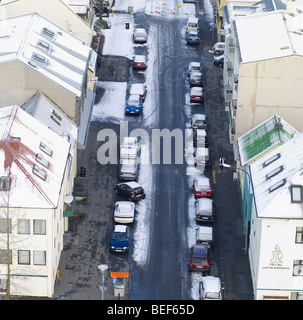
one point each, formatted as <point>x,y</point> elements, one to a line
<point>166,276</point>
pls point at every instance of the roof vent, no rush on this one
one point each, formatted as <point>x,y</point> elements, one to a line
<point>279,125</point>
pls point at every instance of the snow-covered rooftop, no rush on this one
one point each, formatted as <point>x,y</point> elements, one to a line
<point>44,110</point>
<point>34,157</point>
<point>273,174</point>
<point>264,137</point>
<point>270,35</point>
<point>46,48</point>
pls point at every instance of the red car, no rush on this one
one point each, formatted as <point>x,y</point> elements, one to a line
<point>139,62</point>
<point>196,94</point>
<point>199,259</point>
<point>202,188</point>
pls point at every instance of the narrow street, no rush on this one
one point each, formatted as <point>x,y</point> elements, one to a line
<point>165,216</point>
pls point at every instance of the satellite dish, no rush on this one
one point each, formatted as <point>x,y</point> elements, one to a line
<point>68,199</point>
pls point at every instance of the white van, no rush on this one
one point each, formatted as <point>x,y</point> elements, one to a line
<point>202,158</point>
<point>192,24</point>
<point>210,288</point>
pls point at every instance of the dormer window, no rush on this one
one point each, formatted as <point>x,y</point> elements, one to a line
<point>39,58</point>
<point>5,183</point>
<point>41,160</point>
<point>46,149</point>
<point>296,193</point>
<point>43,45</point>
<point>274,172</point>
<point>39,172</point>
<point>56,117</point>
<point>49,33</point>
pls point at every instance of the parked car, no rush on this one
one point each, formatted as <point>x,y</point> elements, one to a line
<point>120,239</point>
<point>198,121</point>
<point>138,88</point>
<point>210,288</point>
<point>202,187</point>
<point>124,212</point>
<point>194,67</point>
<point>200,138</point>
<point>205,236</point>
<point>130,190</point>
<point>140,35</point>
<point>196,79</point>
<point>219,60</point>
<point>199,259</point>
<point>128,169</point>
<point>196,94</point>
<point>204,209</point>
<point>219,47</point>
<point>202,159</point>
<point>192,37</point>
<point>139,62</point>
<point>134,105</point>
<point>129,149</point>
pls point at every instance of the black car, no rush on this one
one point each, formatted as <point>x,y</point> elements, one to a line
<point>130,190</point>
<point>195,79</point>
<point>219,60</point>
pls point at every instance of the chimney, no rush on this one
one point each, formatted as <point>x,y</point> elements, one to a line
<point>15,142</point>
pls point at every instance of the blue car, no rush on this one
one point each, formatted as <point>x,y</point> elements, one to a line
<point>134,105</point>
<point>192,38</point>
<point>120,239</point>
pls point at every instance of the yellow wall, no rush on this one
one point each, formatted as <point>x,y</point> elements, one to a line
<point>267,88</point>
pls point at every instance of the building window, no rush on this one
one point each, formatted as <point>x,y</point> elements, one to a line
<point>3,256</point>
<point>299,235</point>
<point>5,183</point>
<point>39,226</point>
<point>41,160</point>
<point>298,268</point>
<point>24,257</point>
<point>39,258</point>
<point>49,33</point>
<point>23,226</point>
<point>3,225</point>
<point>274,172</point>
<point>296,193</point>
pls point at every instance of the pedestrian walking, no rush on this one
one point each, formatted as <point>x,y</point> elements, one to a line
<point>111,69</point>
<point>221,162</point>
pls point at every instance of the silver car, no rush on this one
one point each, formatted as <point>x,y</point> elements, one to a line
<point>128,169</point>
<point>124,212</point>
<point>198,121</point>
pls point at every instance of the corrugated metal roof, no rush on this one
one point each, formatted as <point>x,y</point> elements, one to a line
<point>264,137</point>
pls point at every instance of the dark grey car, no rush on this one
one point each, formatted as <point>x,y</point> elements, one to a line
<point>195,79</point>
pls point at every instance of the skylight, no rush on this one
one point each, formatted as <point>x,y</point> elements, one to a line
<point>49,33</point>
<point>46,149</point>
<point>43,45</point>
<point>272,159</point>
<point>39,172</point>
<point>296,193</point>
<point>41,160</point>
<point>39,58</point>
<point>277,185</point>
<point>274,172</point>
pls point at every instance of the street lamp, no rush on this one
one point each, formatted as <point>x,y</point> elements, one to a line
<point>223,164</point>
<point>102,268</point>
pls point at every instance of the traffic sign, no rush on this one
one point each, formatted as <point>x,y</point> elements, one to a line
<point>119,274</point>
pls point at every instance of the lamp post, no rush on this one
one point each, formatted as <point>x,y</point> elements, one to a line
<point>222,164</point>
<point>102,268</point>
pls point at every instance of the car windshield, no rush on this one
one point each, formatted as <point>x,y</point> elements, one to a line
<point>199,259</point>
<point>130,167</point>
<point>119,236</point>
<point>193,35</point>
<point>138,190</point>
<point>196,77</point>
<point>212,295</point>
<point>133,100</point>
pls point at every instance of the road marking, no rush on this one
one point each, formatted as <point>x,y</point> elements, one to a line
<point>214,177</point>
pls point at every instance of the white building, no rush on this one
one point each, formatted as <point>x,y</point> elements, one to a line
<point>34,185</point>
<point>276,235</point>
